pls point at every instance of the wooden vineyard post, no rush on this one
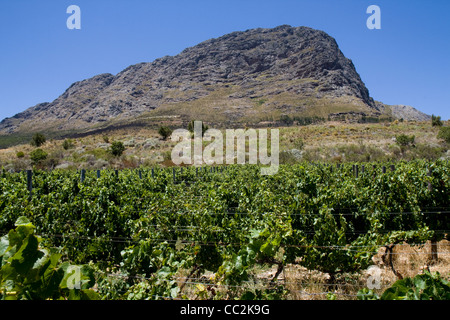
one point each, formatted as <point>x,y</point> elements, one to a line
<point>98,174</point>
<point>83,175</point>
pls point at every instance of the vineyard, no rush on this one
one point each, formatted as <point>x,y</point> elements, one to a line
<point>216,232</point>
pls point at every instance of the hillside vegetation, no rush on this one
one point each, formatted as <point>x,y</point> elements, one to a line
<point>332,142</point>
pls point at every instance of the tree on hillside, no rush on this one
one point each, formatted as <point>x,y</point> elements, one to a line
<point>191,127</point>
<point>165,132</point>
<point>117,148</point>
<point>68,144</point>
<point>404,140</point>
<point>436,121</point>
<point>38,140</point>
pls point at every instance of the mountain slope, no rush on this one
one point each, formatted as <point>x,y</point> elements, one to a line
<point>240,78</point>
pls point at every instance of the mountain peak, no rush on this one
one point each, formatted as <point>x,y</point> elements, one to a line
<point>244,77</point>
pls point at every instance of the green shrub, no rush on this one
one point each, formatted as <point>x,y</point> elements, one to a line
<point>38,140</point>
<point>444,133</point>
<point>38,155</point>
<point>165,132</point>
<point>428,152</point>
<point>68,144</point>
<point>404,140</point>
<point>20,154</point>
<point>304,121</point>
<point>117,148</point>
<point>436,121</point>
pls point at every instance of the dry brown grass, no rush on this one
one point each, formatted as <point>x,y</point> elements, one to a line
<point>408,261</point>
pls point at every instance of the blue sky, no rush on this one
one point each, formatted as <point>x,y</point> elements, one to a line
<point>406,62</point>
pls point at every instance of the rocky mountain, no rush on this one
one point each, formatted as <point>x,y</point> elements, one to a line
<point>408,113</point>
<point>242,78</point>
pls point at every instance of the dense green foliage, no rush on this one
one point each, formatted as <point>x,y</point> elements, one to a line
<point>29,272</point>
<point>38,155</point>
<point>426,286</point>
<point>149,227</point>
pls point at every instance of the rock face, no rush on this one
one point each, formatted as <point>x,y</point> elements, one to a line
<point>402,112</point>
<point>408,113</point>
<point>245,77</point>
